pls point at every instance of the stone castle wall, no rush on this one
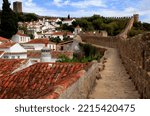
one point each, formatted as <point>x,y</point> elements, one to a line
<point>103,41</point>
<point>135,54</point>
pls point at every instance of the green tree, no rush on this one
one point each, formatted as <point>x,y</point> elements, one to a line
<point>9,21</point>
<point>97,24</point>
<point>31,17</point>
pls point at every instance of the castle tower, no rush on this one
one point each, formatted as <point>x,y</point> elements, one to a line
<point>136,17</point>
<point>45,54</point>
<point>17,7</point>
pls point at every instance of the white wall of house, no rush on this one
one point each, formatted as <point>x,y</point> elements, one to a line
<point>41,46</point>
<point>16,48</point>
<point>15,56</point>
<point>36,46</point>
<point>60,36</point>
<point>15,52</point>
<point>20,39</point>
<point>68,22</point>
<point>77,31</point>
<point>71,36</point>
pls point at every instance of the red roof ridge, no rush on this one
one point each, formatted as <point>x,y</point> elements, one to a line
<point>3,39</point>
<point>7,44</point>
<point>40,41</point>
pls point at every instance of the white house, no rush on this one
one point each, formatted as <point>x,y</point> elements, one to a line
<point>20,38</point>
<point>54,20</point>
<point>62,34</point>
<point>13,51</point>
<point>68,21</point>
<point>39,44</point>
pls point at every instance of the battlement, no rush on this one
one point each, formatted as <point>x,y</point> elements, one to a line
<point>136,17</point>
<point>118,18</point>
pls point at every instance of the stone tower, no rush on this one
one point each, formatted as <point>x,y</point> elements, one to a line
<point>17,7</point>
<point>45,54</point>
<point>136,17</point>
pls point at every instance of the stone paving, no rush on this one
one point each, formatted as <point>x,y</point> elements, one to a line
<point>115,82</point>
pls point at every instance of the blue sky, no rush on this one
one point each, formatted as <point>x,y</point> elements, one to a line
<point>79,8</point>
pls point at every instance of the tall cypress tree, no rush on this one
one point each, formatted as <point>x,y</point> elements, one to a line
<point>9,21</point>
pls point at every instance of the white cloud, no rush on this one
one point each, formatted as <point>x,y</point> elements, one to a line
<point>79,4</point>
<point>88,3</point>
<point>60,2</point>
<point>97,7</point>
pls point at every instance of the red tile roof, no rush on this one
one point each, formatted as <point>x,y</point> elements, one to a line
<point>40,41</point>
<point>40,80</point>
<point>2,39</point>
<point>54,54</point>
<point>34,54</point>
<point>7,45</point>
<point>7,66</point>
<point>1,52</point>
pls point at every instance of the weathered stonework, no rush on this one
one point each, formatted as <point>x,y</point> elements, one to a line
<point>135,54</point>
<point>83,86</point>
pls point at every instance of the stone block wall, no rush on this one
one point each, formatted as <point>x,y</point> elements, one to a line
<point>83,86</point>
<point>98,40</point>
<point>135,54</point>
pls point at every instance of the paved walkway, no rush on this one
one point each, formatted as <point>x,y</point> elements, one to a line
<point>115,82</point>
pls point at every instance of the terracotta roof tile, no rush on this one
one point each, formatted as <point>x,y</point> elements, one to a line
<point>41,80</point>
<point>54,54</point>
<point>2,39</point>
<point>1,52</point>
<point>7,45</point>
<point>34,54</point>
<point>7,66</point>
<point>40,41</point>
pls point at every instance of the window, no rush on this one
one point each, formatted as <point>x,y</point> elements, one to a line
<point>13,57</point>
<point>62,48</point>
<point>6,57</point>
<point>18,57</point>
